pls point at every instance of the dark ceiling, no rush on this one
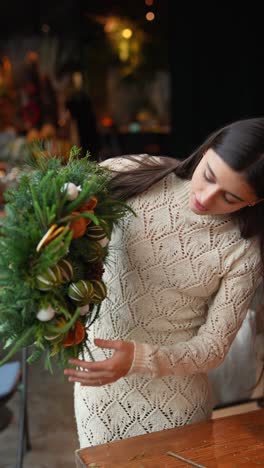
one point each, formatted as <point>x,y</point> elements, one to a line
<point>73,17</point>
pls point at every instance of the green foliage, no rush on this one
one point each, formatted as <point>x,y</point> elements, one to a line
<point>37,209</point>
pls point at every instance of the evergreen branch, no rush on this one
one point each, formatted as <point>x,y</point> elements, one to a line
<point>48,365</point>
<point>91,216</point>
<point>95,315</point>
<point>84,214</point>
<point>35,157</point>
<point>38,202</point>
<point>75,152</point>
<point>52,253</point>
<point>35,356</point>
<point>45,181</point>
<point>61,330</point>
<point>88,190</point>
<point>37,209</point>
<point>24,340</point>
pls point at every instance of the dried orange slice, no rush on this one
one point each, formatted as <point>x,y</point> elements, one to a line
<point>56,233</point>
<point>90,205</point>
<point>78,226</point>
<point>50,234</point>
<point>44,239</point>
<point>75,336</point>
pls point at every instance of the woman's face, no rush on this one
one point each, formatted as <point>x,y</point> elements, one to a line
<point>218,189</point>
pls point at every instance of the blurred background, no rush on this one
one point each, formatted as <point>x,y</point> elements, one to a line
<point>115,77</point>
<point>94,73</point>
<point>118,77</point>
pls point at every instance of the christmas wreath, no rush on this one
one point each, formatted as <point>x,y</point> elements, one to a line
<point>54,245</point>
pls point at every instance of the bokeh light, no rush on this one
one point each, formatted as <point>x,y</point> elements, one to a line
<point>150,16</point>
<point>127,33</point>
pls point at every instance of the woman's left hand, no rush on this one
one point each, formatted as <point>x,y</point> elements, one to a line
<point>99,373</point>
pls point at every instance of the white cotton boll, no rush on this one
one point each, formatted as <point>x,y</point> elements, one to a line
<point>84,309</point>
<point>44,315</point>
<point>72,190</point>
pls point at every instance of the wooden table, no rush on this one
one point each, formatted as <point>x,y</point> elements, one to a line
<point>230,442</point>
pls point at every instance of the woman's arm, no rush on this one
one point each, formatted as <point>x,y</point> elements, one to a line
<point>201,353</point>
<point>208,349</point>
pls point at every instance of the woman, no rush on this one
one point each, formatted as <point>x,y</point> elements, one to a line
<point>180,277</point>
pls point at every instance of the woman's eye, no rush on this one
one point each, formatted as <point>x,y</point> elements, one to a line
<point>230,202</point>
<point>207,177</point>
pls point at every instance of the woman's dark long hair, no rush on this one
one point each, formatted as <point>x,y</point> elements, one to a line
<point>239,144</point>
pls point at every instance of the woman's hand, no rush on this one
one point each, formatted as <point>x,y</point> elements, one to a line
<point>104,372</point>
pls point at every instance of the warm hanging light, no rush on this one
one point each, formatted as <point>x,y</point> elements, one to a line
<point>150,16</point>
<point>127,33</point>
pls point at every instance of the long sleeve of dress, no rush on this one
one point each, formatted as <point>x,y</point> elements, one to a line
<point>208,348</point>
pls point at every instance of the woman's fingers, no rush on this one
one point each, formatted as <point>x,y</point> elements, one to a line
<point>79,363</point>
<point>88,378</point>
<point>84,374</point>
<point>106,371</point>
<point>83,382</point>
<point>89,366</point>
<point>109,344</point>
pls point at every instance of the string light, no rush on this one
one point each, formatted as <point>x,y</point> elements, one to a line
<point>150,16</point>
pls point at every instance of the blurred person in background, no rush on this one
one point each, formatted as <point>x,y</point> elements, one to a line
<point>81,110</point>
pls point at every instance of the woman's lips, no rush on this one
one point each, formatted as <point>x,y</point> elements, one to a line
<point>198,205</point>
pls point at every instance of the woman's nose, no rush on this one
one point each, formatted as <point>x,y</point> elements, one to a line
<point>208,195</point>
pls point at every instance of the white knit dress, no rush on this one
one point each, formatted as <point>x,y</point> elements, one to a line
<point>179,286</point>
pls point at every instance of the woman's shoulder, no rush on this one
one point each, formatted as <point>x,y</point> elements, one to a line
<point>130,162</point>
<point>243,255</point>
